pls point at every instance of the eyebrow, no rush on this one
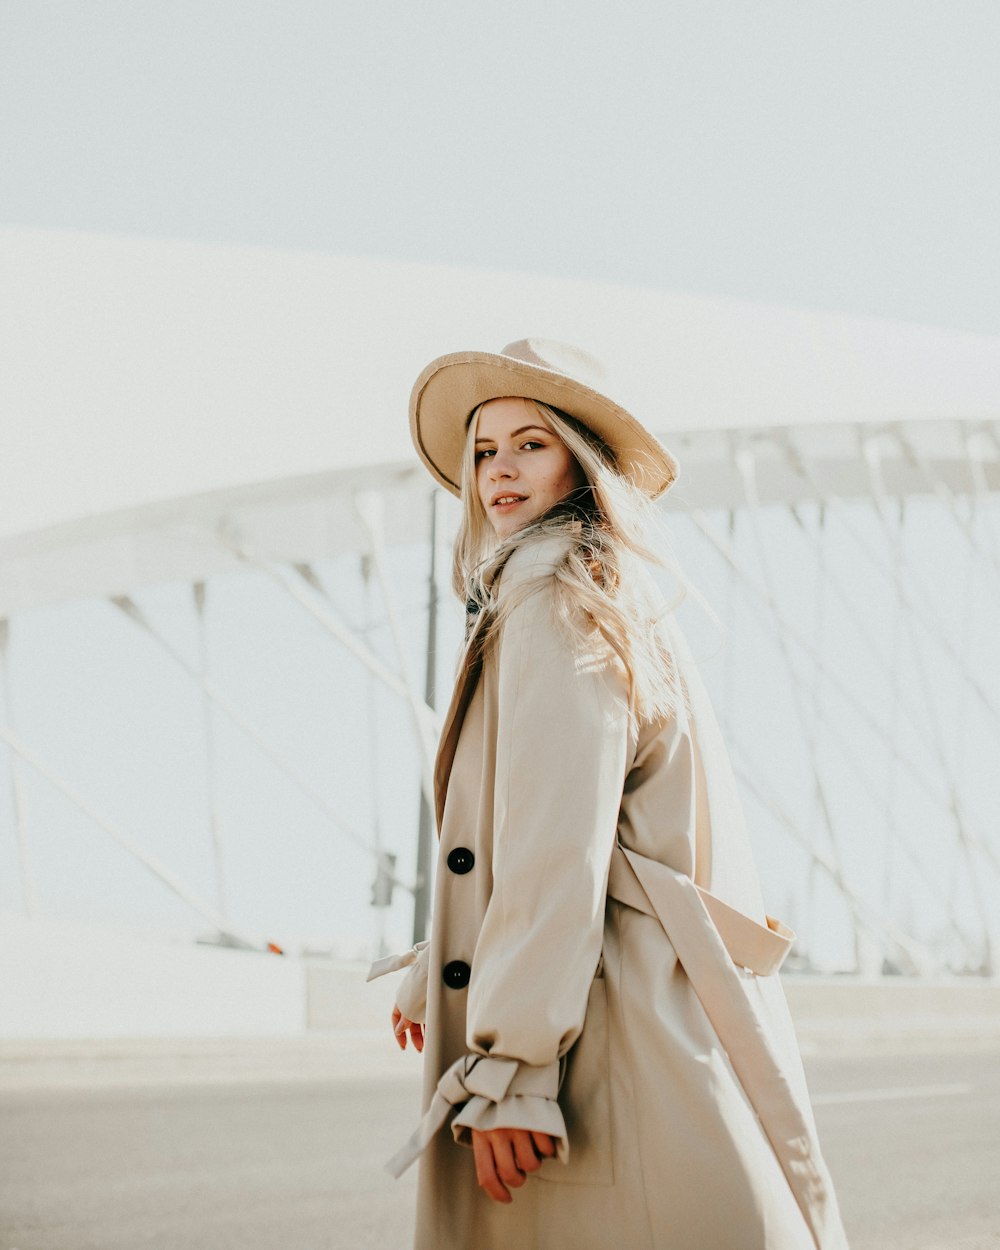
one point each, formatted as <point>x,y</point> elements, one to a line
<point>523,430</point>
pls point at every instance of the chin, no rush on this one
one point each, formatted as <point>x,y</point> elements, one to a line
<point>504,526</point>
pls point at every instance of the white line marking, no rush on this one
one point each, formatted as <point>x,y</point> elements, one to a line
<point>899,1091</point>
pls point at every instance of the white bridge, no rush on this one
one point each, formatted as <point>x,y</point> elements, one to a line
<point>215,558</point>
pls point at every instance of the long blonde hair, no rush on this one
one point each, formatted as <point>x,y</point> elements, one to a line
<point>605,595</point>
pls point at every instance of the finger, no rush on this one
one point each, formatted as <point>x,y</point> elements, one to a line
<point>525,1156</point>
<point>486,1174</point>
<point>503,1154</point>
<point>545,1144</point>
<point>399,1027</point>
<point>417,1033</point>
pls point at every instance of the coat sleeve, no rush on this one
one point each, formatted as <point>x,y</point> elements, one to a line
<point>411,994</point>
<point>562,755</point>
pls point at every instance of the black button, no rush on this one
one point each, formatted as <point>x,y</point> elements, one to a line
<point>461,859</point>
<point>456,974</point>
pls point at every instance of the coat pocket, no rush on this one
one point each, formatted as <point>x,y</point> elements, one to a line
<point>585,1099</point>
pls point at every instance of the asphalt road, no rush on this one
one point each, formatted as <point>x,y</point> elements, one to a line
<point>286,1161</point>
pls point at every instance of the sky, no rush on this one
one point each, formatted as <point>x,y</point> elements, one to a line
<point>842,156</point>
<point>838,156</point>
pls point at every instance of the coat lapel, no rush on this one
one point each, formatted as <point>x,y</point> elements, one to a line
<point>465,685</point>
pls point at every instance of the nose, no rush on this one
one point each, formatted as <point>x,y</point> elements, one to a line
<point>501,465</point>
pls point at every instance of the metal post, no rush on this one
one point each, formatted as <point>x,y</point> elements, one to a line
<point>382,884</point>
<point>218,859</point>
<point>28,894</point>
<point>370,507</point>
<point>425,828</point>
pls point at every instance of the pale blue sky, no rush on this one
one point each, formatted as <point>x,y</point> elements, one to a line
<point>838,155</point>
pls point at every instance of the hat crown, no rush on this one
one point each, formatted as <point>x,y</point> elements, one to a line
<point>562,358</point>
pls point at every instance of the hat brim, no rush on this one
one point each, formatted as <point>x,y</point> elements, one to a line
<point>453,386</point>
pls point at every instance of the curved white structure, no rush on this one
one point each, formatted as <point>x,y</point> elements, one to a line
<point>154,391</point>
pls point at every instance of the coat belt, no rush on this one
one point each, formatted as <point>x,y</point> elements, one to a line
<point>709,937</point>
<point>640,882</point>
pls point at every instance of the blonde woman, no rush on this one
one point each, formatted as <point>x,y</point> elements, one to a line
<point>609,1061</point>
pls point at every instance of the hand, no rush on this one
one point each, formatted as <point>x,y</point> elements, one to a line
<point>400,1026</point>
<point>505,1156</point>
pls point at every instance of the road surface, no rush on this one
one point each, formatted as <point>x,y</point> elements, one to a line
<point>273,1152</point>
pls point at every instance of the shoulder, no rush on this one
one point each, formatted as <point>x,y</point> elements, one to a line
<point>525,596</point>
<point>533,564</point>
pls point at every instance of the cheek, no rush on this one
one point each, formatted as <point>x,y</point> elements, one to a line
<point>570,477</point>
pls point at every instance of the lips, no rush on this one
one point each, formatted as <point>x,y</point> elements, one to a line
<point>499,500</point>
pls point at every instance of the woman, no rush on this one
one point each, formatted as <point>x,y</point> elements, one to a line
<point>597,1003</point>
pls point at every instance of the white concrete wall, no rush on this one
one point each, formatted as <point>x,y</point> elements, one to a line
<point>80,983</point>
<point>77,982</point>
<point>845,1013</point>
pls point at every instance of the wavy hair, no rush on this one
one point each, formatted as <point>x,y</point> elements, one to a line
<point>606,598</point>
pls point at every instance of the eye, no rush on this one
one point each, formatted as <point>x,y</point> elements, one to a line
<point>486,451</point>
<point>532,442</point>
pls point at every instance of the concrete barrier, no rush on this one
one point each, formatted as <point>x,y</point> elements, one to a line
<point>82,983</point>
<point>79,982</point>
<point>894,1013</point>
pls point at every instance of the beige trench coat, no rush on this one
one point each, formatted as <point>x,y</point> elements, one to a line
<point>595,901</point>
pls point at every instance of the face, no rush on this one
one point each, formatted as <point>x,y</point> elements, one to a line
<point>522,467</point>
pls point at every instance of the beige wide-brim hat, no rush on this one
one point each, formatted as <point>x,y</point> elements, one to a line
<point>452,387</point>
